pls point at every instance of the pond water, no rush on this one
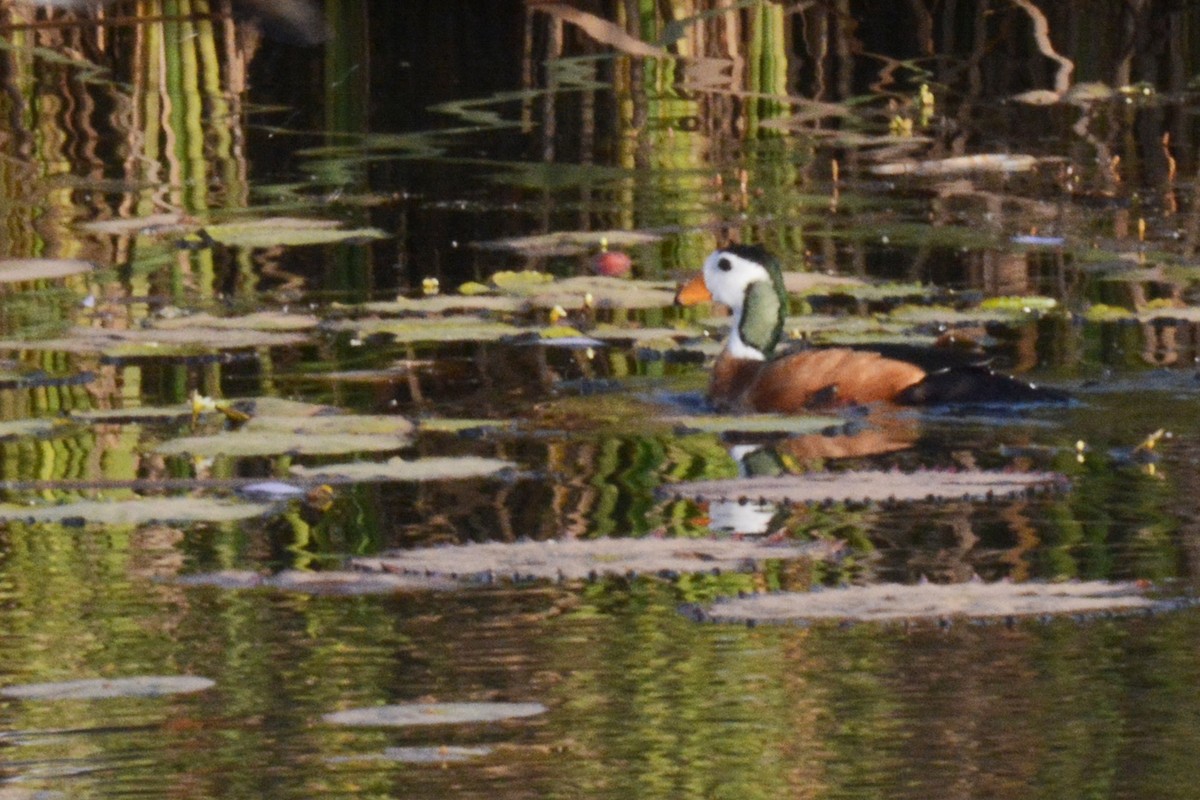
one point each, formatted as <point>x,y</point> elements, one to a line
<point>286,327</point>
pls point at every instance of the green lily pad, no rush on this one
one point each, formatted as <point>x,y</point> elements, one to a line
<point>433,329</point>
<point>1019,305</point>
<point>19,270</point>
<point>30,427</point>
<point>398,469</point>
<point>288,231</point>
<point>148,342</point>
<point>331,425</point>
<point>109,688</point>
<point>445,425</point>
<point>408,714</point>
<point>932,602</point>
<point>268,439</point>
<point>523,282</point>
<point>137,512</point>
<point>602,292</point>
<point>258,321</point>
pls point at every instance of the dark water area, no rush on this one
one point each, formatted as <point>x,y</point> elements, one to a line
<point>271,312</point>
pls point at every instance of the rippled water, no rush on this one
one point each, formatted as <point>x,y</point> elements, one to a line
<point>448,142</point>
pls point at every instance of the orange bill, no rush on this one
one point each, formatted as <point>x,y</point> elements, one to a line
<point>693,292</point>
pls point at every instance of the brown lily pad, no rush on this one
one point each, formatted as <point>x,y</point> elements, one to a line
<point>867,486</point>
<point>974,600</point>
<point>574,559</point>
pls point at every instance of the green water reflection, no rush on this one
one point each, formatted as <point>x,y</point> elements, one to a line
<point>452,141</point>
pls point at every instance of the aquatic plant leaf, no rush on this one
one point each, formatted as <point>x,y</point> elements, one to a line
<point>258,321</point>
<point>933,602</point>
<point>18,270</point>
<point>1181,313</point>
<point>109,688</point>
<point>574,559</point>
<point>447,425</point>
<point>1101,312</point>
<point>522,282</point>
<point>755,423</point>
<point>407,714</point>
<point>599,291</point>
<point>268,441</point>
<point>30,427</point>
<point>137,512</point>
<point>441,754</point>
<point>287,231</point>
<point>330,425</point>
<point>151,224</point>
<point>325,583</point>
<point>147,342</point>
<point>433,329</point>
<point>864,486</point>
<point>567,243</point>
<point>437,468</point>
<point>957,165</point>
<point>942,315</point>
<point>441,303</point>
<point>1018,305</point>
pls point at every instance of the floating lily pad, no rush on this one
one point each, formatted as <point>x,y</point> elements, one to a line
<point>153,224</point>
<point>135,414</point>
<point>444,754</point>
<point>574,559</point>
<point>398,469</point>
<point>259,321</point>
<point>137,512</point>
<point>267,441</point>
<point>18,270</point>
<point>408,714</point>
<point>30,427</point>
<point>332,582</point>
<point>599,291</point>
<point>755,423</point>
<point>875,485</point>
<point>287,231</point>
<point>109,688</point>
<point>439,304</point>
<point>434,329</point>
<point>958,165</point>
<point>933,602</point>
<point>330,425</point>
<point>567,242</point>
<point>1019,305</point>
<point>148,342</point>
<point>446,425</point>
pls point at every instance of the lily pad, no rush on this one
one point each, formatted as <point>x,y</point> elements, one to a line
<point>441,303</point>
<point>443,754</point>
<point>293,231</point>
<point>398,469</point>
<point>437,329</point>
<point>933,602</point>
<point>148,342</point>
<point>151,224</point>
<point>259,321</point>
<point>137,512</point>
<point>567,242</point>
<point>599,291</point>
<point>18,270</point>
<point>409,714</point>
<point>263,440</point>
<point>866,486</point>
<point>958,165</point>
<point>109,688</point>
<point>30,427</point>
<point>574,559</point>
<point>755,423</point>
<point>332,582</point>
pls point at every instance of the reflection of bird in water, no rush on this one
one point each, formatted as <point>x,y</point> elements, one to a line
<point>749,376</point>
<point>293,21</point>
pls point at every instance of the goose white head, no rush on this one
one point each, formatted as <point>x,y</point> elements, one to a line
<point>728,275</point>
<point>747,279</point>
